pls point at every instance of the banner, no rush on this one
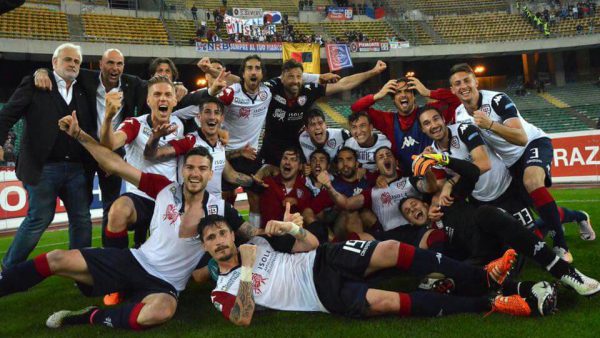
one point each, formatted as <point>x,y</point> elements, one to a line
<point>339,13</point>
<point>247,13</point>
<point>369,47</point>
<point>309,54</point>
<point>212,46</point>
<point>399,44</point>
<point>14,203</point>
<point>256,47</point>
<point>250,27</point>
<point>271,17</point>
<point>576,157</point>
<point>338,57</point>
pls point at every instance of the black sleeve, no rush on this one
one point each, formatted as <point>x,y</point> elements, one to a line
<point>283,243</point>
<point>233,217</point>
<point>317,90</point>
<point>274,82</point>
<point>469,175</point>
<point>504,107</point>
<point>470,136</point>
<point>16,107</point>
<point>191,99</point>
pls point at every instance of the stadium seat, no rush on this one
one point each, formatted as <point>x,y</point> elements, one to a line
<point>122,29</point>
<point>34,23</point>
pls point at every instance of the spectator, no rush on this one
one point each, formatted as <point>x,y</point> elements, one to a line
<point>194,11</point>
<point>579,29</point>
<point>207,16</point>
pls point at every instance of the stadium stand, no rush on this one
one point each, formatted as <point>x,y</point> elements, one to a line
<point>435,7</point>
<point>34,23</point>
<point>45,2</point>
<point>569,27</point>
<point>121,29</point>
<point>376,30</point>
<point>484,27</point>
<point>289,7</point>
<point>183,32</point>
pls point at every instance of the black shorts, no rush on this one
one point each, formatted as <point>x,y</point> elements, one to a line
<point>339,279</point>
<point>117,270</point>
<point>244,166</point>
<point>516,202</point>
<point>144,209</point>
<point>407,234</point>
<point>538,153</point>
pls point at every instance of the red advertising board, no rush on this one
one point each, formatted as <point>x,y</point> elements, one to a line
<point>576,157</point>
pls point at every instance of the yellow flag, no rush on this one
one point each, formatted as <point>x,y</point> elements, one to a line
<point>308,54</point>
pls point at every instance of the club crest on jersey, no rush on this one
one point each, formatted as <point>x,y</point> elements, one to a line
<point>279,114</point>
<point>257,282</point>
<point>486,109</point>
<point>244,113</point>
<point>331,143</point>
<point>302,100</point>
<point>386,198</point>
<point>454,142</point>
<point>147,131</point>
<point>262,95</point>
<point>171,214</point>
<point>400,184</point>
<point>280,99</point>
<point>212,209</point>
<point>299,193</point>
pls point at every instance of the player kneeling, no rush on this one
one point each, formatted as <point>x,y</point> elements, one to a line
<point>333,278</point>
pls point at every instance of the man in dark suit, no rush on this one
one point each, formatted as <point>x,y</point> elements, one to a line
<point>132,91</point>
<point>50,165</point>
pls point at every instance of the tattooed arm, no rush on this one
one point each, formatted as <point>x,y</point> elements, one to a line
<point>242,311</point>
<point>247,231</point>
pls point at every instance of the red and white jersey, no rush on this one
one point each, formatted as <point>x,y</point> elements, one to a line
<point>385,202</point>
<point>280,281</point>
<point>192,140</point>
<point>138,131</point>
<point>244,115</point>
<point>335,141</point>
<point>165,255</point>
<point>366,156</point>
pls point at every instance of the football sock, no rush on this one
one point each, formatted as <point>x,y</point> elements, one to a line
<point>24,275</point>
<point>548,211</point>
<point>431,304</point>
<point>119,240</point>
<point>571,215</point>
<point>124,316</point>
<point>523,289</point>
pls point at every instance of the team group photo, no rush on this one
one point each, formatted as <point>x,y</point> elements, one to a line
<point>327,168</point>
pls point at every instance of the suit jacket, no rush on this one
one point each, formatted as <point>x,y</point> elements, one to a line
<point>41,110</point>
<point>134,94</point>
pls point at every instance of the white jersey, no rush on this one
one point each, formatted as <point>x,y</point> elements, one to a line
<point>491,184</point>
<point>192,140</point>
<point>335,141</point>
<point>312,187</point>
<point>385,202</point>
<point>165,255</point>
<point>366,156</point>
<point>138,131</point>
<point>280,281</point>
<point>244,116</point>
<point>499,108</point>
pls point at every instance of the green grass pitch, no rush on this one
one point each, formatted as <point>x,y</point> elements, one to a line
<point>24,315</point>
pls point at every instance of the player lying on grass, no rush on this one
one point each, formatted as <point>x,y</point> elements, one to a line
<point>153,275</point>
<point>283,271</point>
<point>483,231</point>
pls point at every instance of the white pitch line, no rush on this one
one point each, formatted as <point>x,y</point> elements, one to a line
<point>49,245</point>
<point>576,201</point>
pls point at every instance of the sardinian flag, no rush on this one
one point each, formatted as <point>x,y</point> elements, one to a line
<point>338,56</point>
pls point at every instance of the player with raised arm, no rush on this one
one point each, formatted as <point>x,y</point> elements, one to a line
<point>154,274</point>
<point>210,116</point>
<point>523,147</point>
<point>401,127</point>
<point>282,271</point>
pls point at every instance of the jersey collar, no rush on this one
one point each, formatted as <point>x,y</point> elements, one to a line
<point>204,202</point>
